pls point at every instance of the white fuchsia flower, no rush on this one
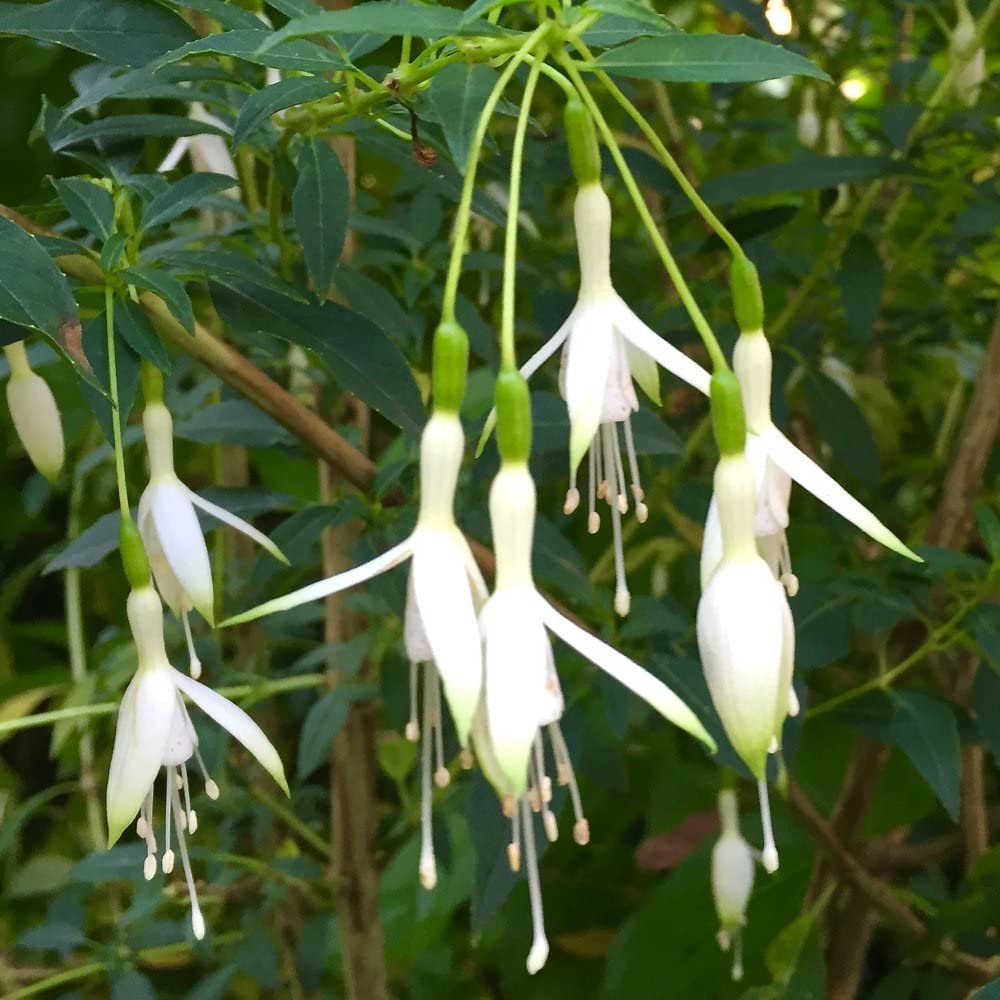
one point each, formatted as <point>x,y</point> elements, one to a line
<point>746,636</point>
<point>441,630</point>
<point>521,693</point>
<point>208,152</point>
<point>35,414</point>
<point>155,731</point>
<point>732,879</point>
<point>172,535</point>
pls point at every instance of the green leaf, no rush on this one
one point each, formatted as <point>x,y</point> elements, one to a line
<point>234,421</point>
<point>131,984</point>
<point>861,280</point>
<point>229,15</point>
<point>95,344</point>
<point>372,299</point>
<point>168,288</point>
<point>986,697</point>
<point>123,32</point>
<point>112,252</point>
<point>90,546</point>
<point>320,204</point>
<point>136,330</point>
<point>681,58</point>
<point>219,262</point>
<point>33,291</point>
<point>924,728</point>
<point>89,203</point>
<point>989,530</point>
<point>185,194</point>
<point>259,106</point>
<point>120,127</point>
<point>324,720</point>
<point>457,95</point>
<point>623,20</point>
<point>299,55</point>
<point>385,17</point>
<point>842,425</point>
<point>360,356</point>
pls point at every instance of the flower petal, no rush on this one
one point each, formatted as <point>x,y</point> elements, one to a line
<point>235,721</point>
<point>641,682</point>
<point>824,487</point>
<point>646,340</point>
<point>588,361</point>
<point>331,585</point>
<point>174,154</point>
<point>444,600</point>
<point>167,583</point>
<point>527,370</point>
<point>711,543</point>
<point>144,719</point>
<point>183,543</point>
<point>221,514</point>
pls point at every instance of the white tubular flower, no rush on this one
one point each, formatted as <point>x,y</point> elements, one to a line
<point>732,879</point>
<point>35,414</point>
<point>171,534</point>
<point>441,631</point>
<point>746,637</point>
<point>606,346</point>
<point>154,730</point>
<point>776,461</point>
<point>521,694</point>
<point>209,152</point>
<point>968,59</point>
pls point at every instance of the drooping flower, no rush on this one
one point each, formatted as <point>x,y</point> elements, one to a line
<point>35,414</point>
<point>154,730</point>
<point>732,879</point>
<point>170,531</point>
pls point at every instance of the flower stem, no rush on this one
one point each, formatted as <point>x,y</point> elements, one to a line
<point>116,423</point>
<point>507,356</point>
<point>688,300</point>
<point>461,230</point>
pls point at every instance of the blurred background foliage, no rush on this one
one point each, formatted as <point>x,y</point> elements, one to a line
<point>871,207</point>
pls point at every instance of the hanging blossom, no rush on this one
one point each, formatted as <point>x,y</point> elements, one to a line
<point>732,879</point>
<point>521,693</point>
<point>171,533</point>
<point>444,593</point>
<point>155,731</point>
<point>745,632</point>
<point>35,414</point>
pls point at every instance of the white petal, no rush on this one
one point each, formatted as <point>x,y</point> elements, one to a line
<point>480,592</point>
<point>641,682</point>
<point>732,879</point>
<point>183,543</point>
<point>711,543</point>
<point>166,582</point>
<point>235,721</point>
<point>444,599</point>
<point>515,660</point>
<point>221,514</point>
<point>774,488</point>
<point>173,157</point>
<point>415,641</point>
<point>665,354</point>
<point>588,360</point>
<point>644,370</point>
<point>144,720</point>
<point>823,486</point>
<point>331,585</point>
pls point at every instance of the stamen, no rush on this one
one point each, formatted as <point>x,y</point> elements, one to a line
<point>412,727</point>
<point>190,814</point>
<point>602,483</point>
<point>544,784</point>
<point>737,955</point>
<point>514,847</point>
<point>567,777</point>
<point>167,861</point>
<point>769,856</point>
<point>572,500</point>
<point>466,759</point>
<point>793,702</point>
<point>593,518</point>
<point>539,945</point>
<point>427,870</point>
<point>623,599</point>
<point>620,472</point>
<point>785,575</point>
<point>508,806</point>
<point>149,865</point>
<point>442,777</point>
<point>211,788</point>
<point>194,664</point>
<point>197,920</point>
<point>641,510</point>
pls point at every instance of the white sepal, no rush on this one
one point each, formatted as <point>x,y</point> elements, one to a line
<point>36,419</point>
<point>244,527</point>
<point>512,517</point>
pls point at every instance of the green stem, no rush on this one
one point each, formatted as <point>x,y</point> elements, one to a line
<point>59,979</point>
<point>461,230</point>
<point>507,355</point>
<point>688,300</point>
<point>116,423</point>
<point>665,155</point>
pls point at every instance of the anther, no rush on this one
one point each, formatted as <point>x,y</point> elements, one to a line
<point>508,805</point>
<point>194,664</point>
<point>514,857</point>
<point>149,866</point>
<point>428,873</point>
<point>581,832</point>
<point>551,826</point>
<point>211,789</point>
<point>168,862</point>
<point>593,522</point>
<point>140,826</point>
<point>442,777</point>
<point>466,759</point>
<point>769,856</point>
<point>192,822</point>
<point>572,500</point>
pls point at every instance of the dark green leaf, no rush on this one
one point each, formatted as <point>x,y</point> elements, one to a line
<point>120,127</point>
<point>861,280</point>
<point>185,194</point>
<point>842,425</point>
<point>95,345</point>
<point>989,530</point>
<point>623,21</point>
<point>90,546</point>
<point>259,106</point>
<point>373,300</point>
<point>320,203</point>
<point>54,936</point>
<point>228,14</point>
<point>136,330</point>
<point>458,94</point>
<point>89,203</point>
<point>11,333</point>
<point>112,252</point>
<point>323,721</point>
<point>357,352</point>
<point>986,697</point>
<point>234,421</point>
<point>168,288</point>
<point>680,58</point>
<point>300,55</point>
<point>227,263</point>
<point>131,984</point>
<point>124,32</point>
<point>33,291</point>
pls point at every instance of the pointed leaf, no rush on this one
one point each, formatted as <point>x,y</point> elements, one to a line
<point>138,127</point>
<point>259,106</point>
<point>185,194</point>
<point>135,329</point>
<point>323,721</point>
<point>303,56</point>
<point>168,288</point>
<point>89,203</point>
<point>458,94</point>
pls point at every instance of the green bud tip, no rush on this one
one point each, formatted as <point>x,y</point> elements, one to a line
<point>451,361</point>
<point>727,413</point>
<point>584,152</point>
<point>748,301</point>
<point>133,554</point>
<point>152,382</point>
<point>513,405</point>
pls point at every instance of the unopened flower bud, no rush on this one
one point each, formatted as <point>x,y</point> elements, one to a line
<point>35,414</point>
